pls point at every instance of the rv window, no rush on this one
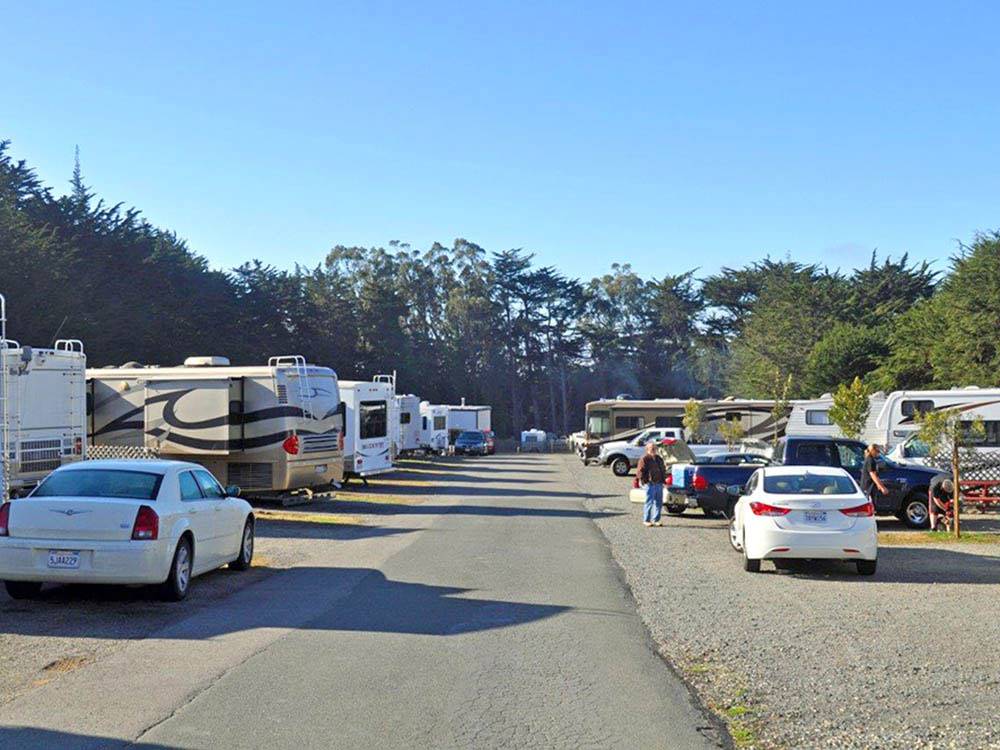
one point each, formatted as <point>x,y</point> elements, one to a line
<point>818,416</point>
<point>627,423</point>
<point>990,440</point>
<point>599,423</point>
<point>189,487</point>
<point>424,423</point>
<point>404,417</point>
<point>910,408</point>
<point>372,416</point>
<point>440,423</point>
<point>669,422</point>
<point>734,416</point>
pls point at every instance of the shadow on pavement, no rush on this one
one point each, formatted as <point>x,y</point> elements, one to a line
<point>29,738</point>
<point>904,565</point>
<point>271,528</point>
<point>375,604</point>
<point>362,506</point>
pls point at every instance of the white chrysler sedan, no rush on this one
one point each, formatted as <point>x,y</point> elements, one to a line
<point>127,522</point>
<point>799,512</point>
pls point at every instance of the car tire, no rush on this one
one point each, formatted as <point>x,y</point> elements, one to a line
<point>22,589</point>
<point>733,541</point>
<point>914,512</point>
<point>620,467</point>
<point>866,567</point>
<point>245,559</point>
<point>676,510</point>
<point>178,582</point>
<point>749,564</point>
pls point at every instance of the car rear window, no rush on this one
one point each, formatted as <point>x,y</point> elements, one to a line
<point>809,484</point>
<point>472,436</point>
<point>133,485</point>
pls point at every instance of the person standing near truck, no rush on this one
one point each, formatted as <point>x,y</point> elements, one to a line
<point>652,473</point>
<point>870,481</point>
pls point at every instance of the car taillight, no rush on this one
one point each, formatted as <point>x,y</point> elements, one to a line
<point>859,510</point>
<point>763,509</point>
<point>291,445</point>
<point>147,524</point>
<point>670,480</point>
<point>4,519</point>
<point>700,483</point>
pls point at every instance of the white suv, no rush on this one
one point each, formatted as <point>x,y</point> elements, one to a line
<point>623,455</point>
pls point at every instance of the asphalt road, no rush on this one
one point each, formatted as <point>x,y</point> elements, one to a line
<point>489,615</point>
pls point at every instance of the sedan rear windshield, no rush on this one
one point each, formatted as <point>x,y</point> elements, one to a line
<point>133,485</point>
<point>809,484</point>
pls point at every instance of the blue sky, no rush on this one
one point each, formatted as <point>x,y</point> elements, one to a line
<point>667,135</point>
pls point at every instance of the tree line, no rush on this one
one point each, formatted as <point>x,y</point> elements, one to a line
<point>494,327</point>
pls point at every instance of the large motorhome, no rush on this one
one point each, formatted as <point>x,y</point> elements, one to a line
<point>464,417</point>
<point>619,418</point>
<point>811,418</point>
<point>43,410</point>
<point>367,442</point>
<point>433,427</point>
<point>265,429</point>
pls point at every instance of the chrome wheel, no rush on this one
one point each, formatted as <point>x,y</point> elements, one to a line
<point>247,544</point>
<point>182,568</point>
<point>620,467</point>
<point>916,513</point>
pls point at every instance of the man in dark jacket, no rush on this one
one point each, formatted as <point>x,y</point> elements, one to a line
<point>652,473</point>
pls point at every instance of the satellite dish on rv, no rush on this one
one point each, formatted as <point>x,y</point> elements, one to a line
<point>206,362</point>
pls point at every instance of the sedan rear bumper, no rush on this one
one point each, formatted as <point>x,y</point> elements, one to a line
<point>125,562</point>
<point>855,544</point>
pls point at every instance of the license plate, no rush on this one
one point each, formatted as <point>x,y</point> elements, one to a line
<point>815,516</point>
<point>59,558</point>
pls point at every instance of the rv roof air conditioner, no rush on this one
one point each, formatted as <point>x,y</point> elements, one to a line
<point>206,362</point>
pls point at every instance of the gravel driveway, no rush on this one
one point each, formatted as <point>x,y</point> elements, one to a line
<point>816,656</point>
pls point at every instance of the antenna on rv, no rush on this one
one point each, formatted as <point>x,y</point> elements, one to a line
<point>55,336</point>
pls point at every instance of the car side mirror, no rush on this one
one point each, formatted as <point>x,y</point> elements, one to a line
<point>233,491</point>
<point>734,490</point>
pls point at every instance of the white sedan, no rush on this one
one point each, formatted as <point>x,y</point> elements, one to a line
<point>796,512</point>
<point>128,522</point>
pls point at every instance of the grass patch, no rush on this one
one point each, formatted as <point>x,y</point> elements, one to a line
<point>306,517</point>
<point>742,734</point>
<point>904,538</point>
<point>700,668</point>
<point>362,497</point>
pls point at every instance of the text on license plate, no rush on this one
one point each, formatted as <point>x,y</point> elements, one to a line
<point>815,516</point>
<point>59,558</point>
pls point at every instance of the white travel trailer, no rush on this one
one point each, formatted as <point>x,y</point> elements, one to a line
<point>433,427</point>
<point>896,420</point>
<point>464,417</point>
<point>367,442</point>
<point>265,429</point>
<point>534,441</point>
<point>407,424</point>
<point>43,410</point>
<point>811,418</point>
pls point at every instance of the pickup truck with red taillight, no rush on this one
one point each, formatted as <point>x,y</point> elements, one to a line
<point>705,485</point>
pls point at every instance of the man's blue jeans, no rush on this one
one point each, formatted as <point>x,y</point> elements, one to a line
<point>654,503</point>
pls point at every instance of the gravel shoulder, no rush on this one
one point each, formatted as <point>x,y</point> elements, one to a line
<point>815,656</point>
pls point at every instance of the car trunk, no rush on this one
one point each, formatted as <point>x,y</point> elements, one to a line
<point>77,518</point>
<point>816,512</point>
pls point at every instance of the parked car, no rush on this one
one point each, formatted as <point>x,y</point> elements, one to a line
<point>127,522</point>
<point>792,512</point>
<point>491,441</point>
<point>472,443</point>
<point>704,485</point>
<point>623,455</point>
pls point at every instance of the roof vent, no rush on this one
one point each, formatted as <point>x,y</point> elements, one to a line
<point>206,362</point>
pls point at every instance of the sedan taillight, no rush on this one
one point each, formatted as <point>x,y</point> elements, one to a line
<point>859,510</point>
<point>5,519</point>
<point>147,524</point>
<point>763,509</point>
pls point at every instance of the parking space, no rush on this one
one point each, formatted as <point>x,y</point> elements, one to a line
<point>813,655</point>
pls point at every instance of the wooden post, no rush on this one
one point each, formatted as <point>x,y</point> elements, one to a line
<point>957,492</point>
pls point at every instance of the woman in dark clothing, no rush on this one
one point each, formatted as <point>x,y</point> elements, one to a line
<point>870,481</point>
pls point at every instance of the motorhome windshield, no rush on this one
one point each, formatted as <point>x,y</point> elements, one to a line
<point>372,418</point>
<point>599,423</point>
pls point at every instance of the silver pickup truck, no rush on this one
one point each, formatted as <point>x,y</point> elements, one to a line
<point>623,455</point>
